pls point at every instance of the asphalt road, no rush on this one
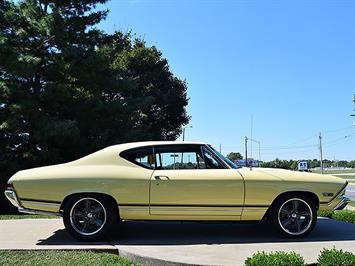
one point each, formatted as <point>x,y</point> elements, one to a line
<point>350,191</point>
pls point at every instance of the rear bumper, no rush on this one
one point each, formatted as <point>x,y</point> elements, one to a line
<point>12,197</point>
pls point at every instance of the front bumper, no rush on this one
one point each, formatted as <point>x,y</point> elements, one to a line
<point>12,197</point>
<point>342,204</point>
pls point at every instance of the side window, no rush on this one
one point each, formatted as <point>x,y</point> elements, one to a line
<point>141,156</point>
<point>210,161</point>
<point>175,157</point>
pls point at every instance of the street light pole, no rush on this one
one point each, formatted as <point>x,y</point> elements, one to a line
<point>246,151</point>
<point>321,152</point>
<point>258,142</point>
<point>183,132</point>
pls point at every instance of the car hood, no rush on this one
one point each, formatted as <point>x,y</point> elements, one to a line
<point>288,175</point>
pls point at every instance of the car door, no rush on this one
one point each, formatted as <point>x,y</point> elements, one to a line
<point>190,180</point>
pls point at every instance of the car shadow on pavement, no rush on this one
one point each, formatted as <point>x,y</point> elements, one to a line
<point>189,233</point>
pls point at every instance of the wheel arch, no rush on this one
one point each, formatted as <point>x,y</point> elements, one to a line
<point>309,194</point>
<point>86,194</point>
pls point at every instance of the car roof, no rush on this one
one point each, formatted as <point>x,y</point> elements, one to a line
<point>131,145</point>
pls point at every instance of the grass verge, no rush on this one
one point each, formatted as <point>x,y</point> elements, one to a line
<point>25,216</point>
<point>334,172</point>
<point>54,257</point>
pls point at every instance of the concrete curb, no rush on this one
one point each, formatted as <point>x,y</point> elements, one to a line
<point>96,250</point>
<point>150,261</point>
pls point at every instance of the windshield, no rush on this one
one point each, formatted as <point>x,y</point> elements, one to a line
<point>225,159</point>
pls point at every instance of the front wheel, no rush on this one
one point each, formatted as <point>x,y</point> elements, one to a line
<point>294,216</point>
<point>89,218</point>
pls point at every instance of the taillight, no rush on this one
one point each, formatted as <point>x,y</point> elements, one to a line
<point>10,186</point>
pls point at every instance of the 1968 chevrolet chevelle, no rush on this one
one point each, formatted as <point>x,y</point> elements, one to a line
<point>172,181</point>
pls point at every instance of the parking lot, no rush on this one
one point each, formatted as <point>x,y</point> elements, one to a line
<point>350,191</point>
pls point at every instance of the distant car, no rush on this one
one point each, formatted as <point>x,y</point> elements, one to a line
<point>171,181</point>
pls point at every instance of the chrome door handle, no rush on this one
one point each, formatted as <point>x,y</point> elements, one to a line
<point>160,177</point>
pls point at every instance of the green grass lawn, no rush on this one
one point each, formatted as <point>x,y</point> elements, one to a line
<point>345,171</point>
<point>54,257</point>
<point>336,172</point>
<point>346,176</point>
<point>352,203</point>
<point>25,216</point>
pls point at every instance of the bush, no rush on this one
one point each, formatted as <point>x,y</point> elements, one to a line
<point>325,213</point>
<point>345,216</point>
<point>279,258</point>
<point>333,257</point>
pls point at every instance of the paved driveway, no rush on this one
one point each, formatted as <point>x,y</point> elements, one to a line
<point>157,243</point>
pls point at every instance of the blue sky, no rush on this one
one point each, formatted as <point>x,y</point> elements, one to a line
<point>289,64</point>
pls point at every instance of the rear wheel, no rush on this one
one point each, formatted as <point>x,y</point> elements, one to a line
<point>89,217</point>
<point>294,216</point>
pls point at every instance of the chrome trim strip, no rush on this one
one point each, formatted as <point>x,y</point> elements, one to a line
<point>28,211</point>
<point>41,204</point>
<point>342,204</point>
<point>337,194</point>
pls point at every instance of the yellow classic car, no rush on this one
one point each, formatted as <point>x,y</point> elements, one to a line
<point>168,180</point>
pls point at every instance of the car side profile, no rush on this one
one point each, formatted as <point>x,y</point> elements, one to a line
<point>168,180</point>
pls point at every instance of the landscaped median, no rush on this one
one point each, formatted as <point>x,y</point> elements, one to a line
<point>328,257</point>
<point>343,215</point>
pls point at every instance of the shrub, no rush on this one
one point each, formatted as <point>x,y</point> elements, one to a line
<point>333,257</point>
<point>279,258</point>
<point>345,216</point>
<point>325,213</point>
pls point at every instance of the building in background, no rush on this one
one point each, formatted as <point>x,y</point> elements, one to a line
<point>251,163</point>
<point>303,166</point>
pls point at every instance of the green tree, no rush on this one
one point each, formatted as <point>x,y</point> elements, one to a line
<point>68,89</point>
<point>293,165</point>
<point>233,156</point>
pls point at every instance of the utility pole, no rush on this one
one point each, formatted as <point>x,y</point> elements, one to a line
<point>246,151</point>
<point>354,108</point>
<point>321,152</point>
<point>220,148</point>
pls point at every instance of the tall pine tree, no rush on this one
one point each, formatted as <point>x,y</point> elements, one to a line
<point>68,89</point>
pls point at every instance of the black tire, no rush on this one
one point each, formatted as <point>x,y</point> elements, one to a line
<point>90,217</point>
<point>294,222</point>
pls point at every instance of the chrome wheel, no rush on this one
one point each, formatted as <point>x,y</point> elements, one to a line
<point>88,216</point>
<point>295,216</point>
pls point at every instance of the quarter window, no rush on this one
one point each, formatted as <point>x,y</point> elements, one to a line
<point>141,156</point>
